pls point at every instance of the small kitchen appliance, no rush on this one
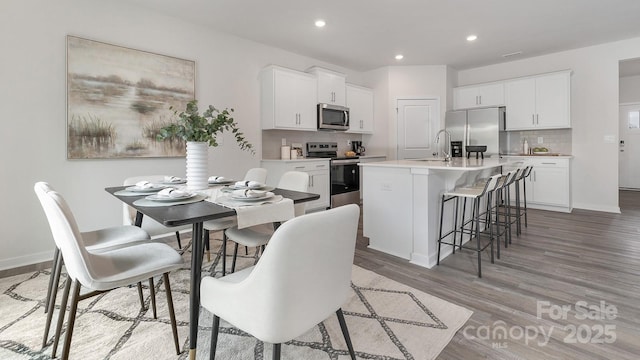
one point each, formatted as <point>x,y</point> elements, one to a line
<point>333,117</point>
<point>357,147</point>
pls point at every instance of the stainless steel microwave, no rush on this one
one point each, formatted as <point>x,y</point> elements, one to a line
<point>333,117</point>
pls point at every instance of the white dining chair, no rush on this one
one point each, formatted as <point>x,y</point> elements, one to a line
<point>104,271</point>
<point>303,276</point>
<point>154,228</point>
<point>259,235</point>
<point>253,174</point>
<point>95,241</point>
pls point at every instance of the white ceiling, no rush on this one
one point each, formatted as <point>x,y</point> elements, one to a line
<point>367,34</point>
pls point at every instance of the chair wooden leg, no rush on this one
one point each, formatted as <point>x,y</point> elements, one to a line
<point>63,308</point>
<point>54,265</point>
<point>152,289</point>
<point>215,328</point>
<point>207,244</point>
<point>276,351</point>
<point>172,314</point>
<point>141,296</point>
<point>178,238</point>
<point>50,301</point>
<point>224,253</point>
<point>345,333</point>
<point>235,256</point>
<point>75,297</point>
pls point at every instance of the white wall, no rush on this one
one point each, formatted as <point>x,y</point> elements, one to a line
<point>32,89</point>
<point>594,112</point>
<point>630,89</point>
<point>402,82</point>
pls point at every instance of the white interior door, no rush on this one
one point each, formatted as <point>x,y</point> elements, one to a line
<point>416,121</point>
<point>629,174</point>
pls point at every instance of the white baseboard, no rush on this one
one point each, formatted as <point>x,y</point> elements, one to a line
<point>30,259</point>
<point>592,207</point>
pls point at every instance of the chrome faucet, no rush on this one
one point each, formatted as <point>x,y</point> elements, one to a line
<point>447,153</point>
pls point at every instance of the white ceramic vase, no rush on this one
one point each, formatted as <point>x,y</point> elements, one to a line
<point>197,165</point>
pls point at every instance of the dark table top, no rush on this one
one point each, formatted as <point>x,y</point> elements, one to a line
<point>201,211</point>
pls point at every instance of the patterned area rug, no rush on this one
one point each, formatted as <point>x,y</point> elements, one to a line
<point>387,320</point>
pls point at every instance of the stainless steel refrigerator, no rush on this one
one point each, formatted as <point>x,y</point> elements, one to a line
<point>479,127</point>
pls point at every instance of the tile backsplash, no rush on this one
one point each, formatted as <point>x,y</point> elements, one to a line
<point>557,140</point>
<point>272,140</point>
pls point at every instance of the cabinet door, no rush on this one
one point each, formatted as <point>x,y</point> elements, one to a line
<point>319,183</point>
<point>305,102</point>
<point>285,104</point>
<point>520,102</point>
<point>491,94</point>
<point>552,101</point>
<point>331,88</point>
<point>465,97</point>
<point>360,104</point>
<point>550,185</point>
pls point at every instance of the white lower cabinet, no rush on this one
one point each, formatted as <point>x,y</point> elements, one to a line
<point>319,179</point>
<point>549,185</point>
<point>366,159</point>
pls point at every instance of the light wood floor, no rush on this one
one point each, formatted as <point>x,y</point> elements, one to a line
<point>560,259</point>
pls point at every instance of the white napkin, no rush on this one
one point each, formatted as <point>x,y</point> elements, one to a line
<point>144,184</point>
<point>172,193</point>
<point>217,179</point>
<point>171,179</point>
<point>248,193</point>
<point>248,184</point>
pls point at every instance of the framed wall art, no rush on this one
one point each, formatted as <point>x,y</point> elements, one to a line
<point>118,98</point>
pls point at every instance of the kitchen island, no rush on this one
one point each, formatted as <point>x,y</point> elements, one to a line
<point>401,203</point>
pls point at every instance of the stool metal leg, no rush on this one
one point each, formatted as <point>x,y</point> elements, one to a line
<point>440,234</point>
<point>476,205</point>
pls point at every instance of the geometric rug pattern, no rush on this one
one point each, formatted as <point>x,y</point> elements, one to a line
<point>387,320</point>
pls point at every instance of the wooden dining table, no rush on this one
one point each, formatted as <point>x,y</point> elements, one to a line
<point>194,213</point>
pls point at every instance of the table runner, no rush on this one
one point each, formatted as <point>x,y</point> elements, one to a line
<point>275,209</point>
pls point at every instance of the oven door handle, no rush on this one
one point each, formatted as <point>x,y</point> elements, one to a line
<point>345,162</point>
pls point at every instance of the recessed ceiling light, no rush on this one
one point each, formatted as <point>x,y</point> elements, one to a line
<point>472,37</point>
<point>399,57</point>
<point>320,23</point>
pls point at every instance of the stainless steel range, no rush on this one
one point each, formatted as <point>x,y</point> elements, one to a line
<point>345,173</point>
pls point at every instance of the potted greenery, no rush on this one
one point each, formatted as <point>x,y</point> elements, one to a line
<point>199,131</point>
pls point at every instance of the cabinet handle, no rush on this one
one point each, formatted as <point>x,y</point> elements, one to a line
<point>299,167</point>
<point>537,119</point>
<point>320,166</point>
<point>480,97</point>
<point>533,119</point>
<point>311,180</point>
<point>476,99</point>
<point>361,124</point>
<point>549,163</point>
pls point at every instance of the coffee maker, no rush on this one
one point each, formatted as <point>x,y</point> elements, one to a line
<point>357,147</point>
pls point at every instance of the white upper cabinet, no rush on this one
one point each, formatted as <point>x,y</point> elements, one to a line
<point>331,86</point>
<point>288,99</point>
<point>482,95</point>
<point>539,102</point>
<point>360,104</point>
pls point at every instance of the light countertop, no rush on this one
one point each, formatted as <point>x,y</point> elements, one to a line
<point>455,164</point>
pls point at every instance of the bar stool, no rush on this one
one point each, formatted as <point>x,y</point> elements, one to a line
<point>502,207</point>
<point>521,204</point>
<point>477,194</point>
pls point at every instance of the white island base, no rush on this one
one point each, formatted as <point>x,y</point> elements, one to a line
<point>401,203</point>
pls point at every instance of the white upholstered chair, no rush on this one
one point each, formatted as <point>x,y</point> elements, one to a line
<point>253,174</point>
<point>95,241</point>
<point>154,228</point>
<point>303,277</point>
<point>259,235</point>
<point>102,271</point>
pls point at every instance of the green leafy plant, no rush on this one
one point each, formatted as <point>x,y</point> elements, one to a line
<point>193,126</point>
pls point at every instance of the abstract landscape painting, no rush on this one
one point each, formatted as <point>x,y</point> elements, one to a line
<point>118,98</point>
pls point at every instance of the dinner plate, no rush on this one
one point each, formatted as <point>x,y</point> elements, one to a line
<point>155,197</point>
<point>183,181</point>
<point>540,152</point>
<point>234,187</point>
<point>224,182</point>
<point>152,189</point>
<point>265,196</point>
